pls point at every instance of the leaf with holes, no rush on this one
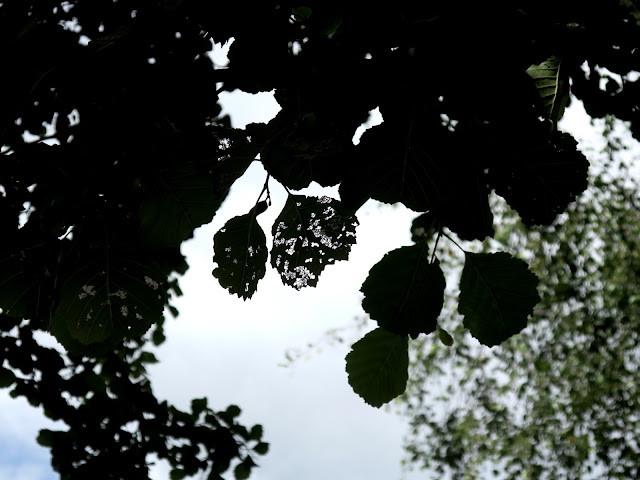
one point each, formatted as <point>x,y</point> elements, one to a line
<point>309,234</point>
<point>552,85</point>
<point>378,366</point>
<point>111,295</point>
<point>240,250</point>
<point>404,292</point>
<point>497,295</point>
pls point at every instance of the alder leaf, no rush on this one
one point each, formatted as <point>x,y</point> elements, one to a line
<point>378,366</point>
<point>309,150</point>
<point>240,250</point>
<point>111,295</point>
<point>497,295</point>
<point>309,234</point>
<point>552,86</point>
<point>542,177</point>
<point>404,293</point>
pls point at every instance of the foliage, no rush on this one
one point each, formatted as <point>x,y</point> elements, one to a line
<point>114,151</point>
<point>560,400</point>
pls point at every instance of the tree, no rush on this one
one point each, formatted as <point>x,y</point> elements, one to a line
<point>114,151</point>
<point>560,400</point>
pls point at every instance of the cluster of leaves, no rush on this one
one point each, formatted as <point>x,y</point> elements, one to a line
<point>560,400</point>
<point>113,152</point>
<point>114,420</point>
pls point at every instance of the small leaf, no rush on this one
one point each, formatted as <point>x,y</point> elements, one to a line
<point>404,293</point>
<point>240,250</point>
<point>198,405</point>
<point>261,448</point>
<point>551,83</point>
<point>256,432</point>
<point>7,377</point>
<point>497,294</point>
<point>46,438</point>
<point>444,336</point>
<point>243,470</point>
<point>177,474</point>
<point>309,234</point>
<point>232,411</point>
<point>378,366</point>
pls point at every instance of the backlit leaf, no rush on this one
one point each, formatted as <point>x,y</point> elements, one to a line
<point>552,85</point>
<point>240,250</point>
<point>378,366</point>
<point>497,295</point>
<point>309,234</point>
<point>110,296</point>
<point>404,292</point>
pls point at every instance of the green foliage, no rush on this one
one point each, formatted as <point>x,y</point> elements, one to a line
<point>114,150</point>
<point>404,291</point>
<point>560,399</point>
<point>377,366</point>
<point>497,294</point>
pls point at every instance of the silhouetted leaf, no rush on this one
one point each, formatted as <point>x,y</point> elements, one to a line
<point>540,179</point>
<point>7,377</point>
<point>445,337</point>
<point>308,151</point>
<point>177,474</point>
<point>309,234</point>
<point>240,250</point>
<point>395,167</point>
<point>404,292</point>
<point>261,448</point>
<point>108,297</point>
<point>178,199</point>
<point>497,295</point>
<point>378,366</point>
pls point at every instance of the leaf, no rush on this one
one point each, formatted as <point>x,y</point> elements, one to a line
<point>541,178</point>
<point>394,167</point>
<point>308,150</point>
<point>309,234</point>
<point>261,448</point>
<point>240,250</point>
<point>551,83</point>
<point>256,432</point>
<point>378,366</point>
<point>445,337</point>
<point>198,405</point>
<point>46,438</point>
<point>177,474</point>
<point>404,293</point>
<point>111,295</point>
<point>243,469</point>
<point>178,199</point>
<point>7,377</point>
<point>497,294</point>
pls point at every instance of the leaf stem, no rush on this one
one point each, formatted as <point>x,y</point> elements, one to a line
<point>453,241</point>
<point>435,245</point>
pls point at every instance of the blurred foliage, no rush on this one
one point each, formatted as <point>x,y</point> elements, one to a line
<point>560,400</point>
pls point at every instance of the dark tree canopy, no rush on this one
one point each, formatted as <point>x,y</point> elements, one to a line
<point>114,152</point>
